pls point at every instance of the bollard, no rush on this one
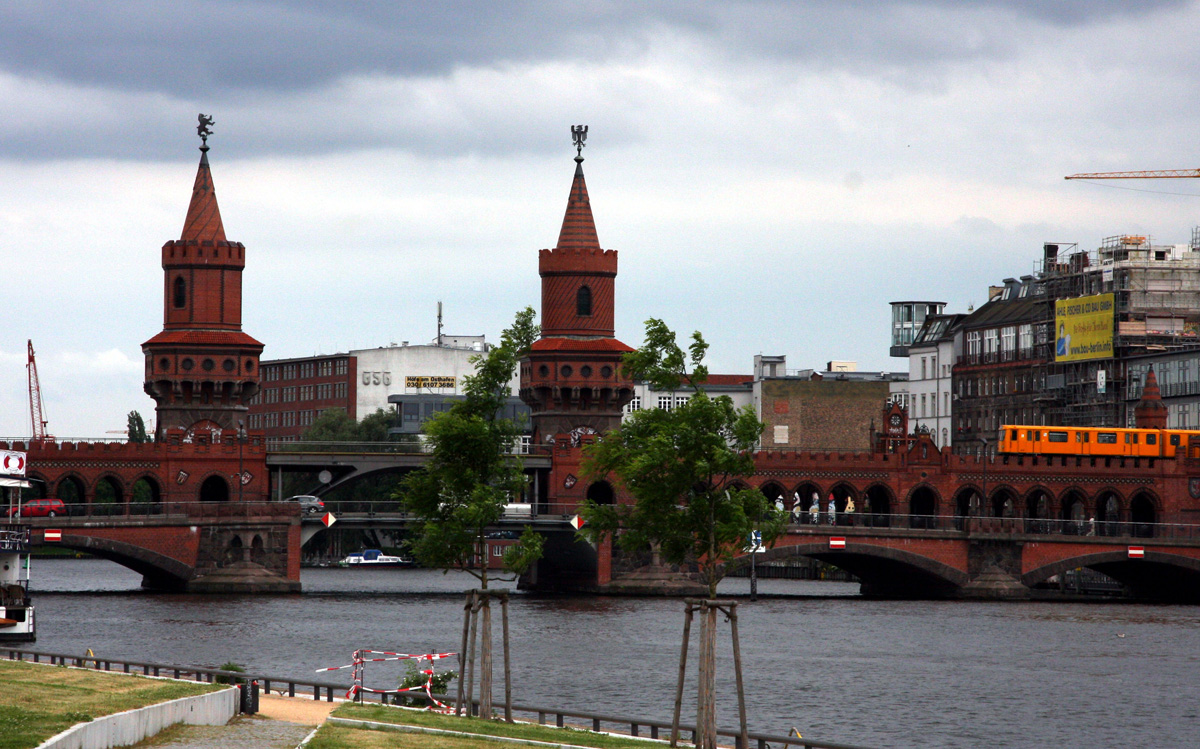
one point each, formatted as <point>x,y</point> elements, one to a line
<point>248,704</point>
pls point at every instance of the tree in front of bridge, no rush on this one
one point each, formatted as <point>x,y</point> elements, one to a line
<point>685,468</point>
<point>461,492</point>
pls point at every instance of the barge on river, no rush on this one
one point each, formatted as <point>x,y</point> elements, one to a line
<point>17,622</point>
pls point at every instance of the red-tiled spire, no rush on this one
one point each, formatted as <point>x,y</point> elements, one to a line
<point>578,228</point>
<point>203,222</point>
<point>1150,412</point>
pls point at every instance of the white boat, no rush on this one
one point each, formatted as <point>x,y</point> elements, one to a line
<point>17,622</point>
<point>374,558</point>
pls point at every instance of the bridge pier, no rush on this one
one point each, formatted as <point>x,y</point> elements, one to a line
<point>994,566</point>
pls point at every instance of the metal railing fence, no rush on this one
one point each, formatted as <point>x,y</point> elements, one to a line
<point>631,725</point>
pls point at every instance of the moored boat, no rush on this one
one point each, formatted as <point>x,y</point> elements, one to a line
<point>17,622</point>
<point>374,558</point>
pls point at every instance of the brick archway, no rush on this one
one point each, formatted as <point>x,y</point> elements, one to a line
<point>157,570</point>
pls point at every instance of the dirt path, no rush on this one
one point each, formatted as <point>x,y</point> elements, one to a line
<point>307,712</point>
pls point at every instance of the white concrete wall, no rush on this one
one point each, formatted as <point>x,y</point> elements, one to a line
<point>382,372</point>
<point>131,726</point>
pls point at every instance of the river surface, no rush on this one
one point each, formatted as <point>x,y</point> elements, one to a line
<point>836,666</point>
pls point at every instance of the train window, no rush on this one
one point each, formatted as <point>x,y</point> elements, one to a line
<point>1151,439</point>
<point>1013,434</point>
<point>1175,440</point>
<point>1037,436</point>
<point>1079,436</point>
<point>1056,436</point>
<point>1087,436</point>
<point>1127,436</point>
<point>1106,438</point>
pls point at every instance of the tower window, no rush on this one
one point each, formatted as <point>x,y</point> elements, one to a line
<point>180,292</point>
<point>583,301</point>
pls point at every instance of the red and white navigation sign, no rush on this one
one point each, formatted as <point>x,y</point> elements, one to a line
<point>837,542</point>
<point>328,519</point>
<point>577,522</point>
<point>53,534</point>
<point>1137,552</point>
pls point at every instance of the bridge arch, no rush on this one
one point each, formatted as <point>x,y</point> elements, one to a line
<point>884,572</point>
<point>158,571</point>
<point>1073,512</point>
<point>1158,575</point>
<point>878,505</point>
<point>1038,514</point>
<point>1107,512</point>
<point>146,493</point>
<point>601,493</point>
<point>214,488</point>
<point>1004,502</point>
<point>39,487</point>
<point>71,490</point>
<point>108,495</point>
<point>966,501</point>
<point>773,490</point>
<point>923,506</point>
<point>1143,513</point>
<point>843,491</point>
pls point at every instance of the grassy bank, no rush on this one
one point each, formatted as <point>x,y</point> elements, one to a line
<point>340,737</point>
<point>39,701</point>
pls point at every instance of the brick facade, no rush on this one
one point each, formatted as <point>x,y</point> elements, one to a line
<point>824,414</point>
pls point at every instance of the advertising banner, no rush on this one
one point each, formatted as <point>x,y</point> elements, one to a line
<point>1083,328</point>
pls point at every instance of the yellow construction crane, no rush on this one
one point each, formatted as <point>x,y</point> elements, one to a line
<point>1159,174</point>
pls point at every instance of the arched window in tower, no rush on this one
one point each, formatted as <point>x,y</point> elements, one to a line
<point>583,301</point>
<point>180,292</point>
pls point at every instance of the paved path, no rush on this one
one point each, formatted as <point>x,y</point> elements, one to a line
<point>281,723</point>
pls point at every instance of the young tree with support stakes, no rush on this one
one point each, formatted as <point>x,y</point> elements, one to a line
<point>683,468</point>
<point>472,473</point>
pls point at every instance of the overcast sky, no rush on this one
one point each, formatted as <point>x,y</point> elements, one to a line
<point>772,173</point>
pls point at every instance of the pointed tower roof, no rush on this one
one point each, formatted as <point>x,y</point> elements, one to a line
<point>203,222</point>
<point>578,228</point>
<point>1150,412</point>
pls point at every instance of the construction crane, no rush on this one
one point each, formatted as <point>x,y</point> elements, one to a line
<point>37,411</point>
<point>1159,174</point>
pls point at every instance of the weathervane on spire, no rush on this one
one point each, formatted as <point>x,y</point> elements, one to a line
<point>578,136</point>
<point>204,129</point>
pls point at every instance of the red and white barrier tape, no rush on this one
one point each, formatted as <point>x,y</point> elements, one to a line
<point>359,660</point>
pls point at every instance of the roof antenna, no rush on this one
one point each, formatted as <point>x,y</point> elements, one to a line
<point>439,338</point>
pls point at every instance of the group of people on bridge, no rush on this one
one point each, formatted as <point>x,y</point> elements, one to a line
<point>813,516</point>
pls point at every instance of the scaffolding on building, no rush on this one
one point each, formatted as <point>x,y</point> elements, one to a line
<point>1156,295</point>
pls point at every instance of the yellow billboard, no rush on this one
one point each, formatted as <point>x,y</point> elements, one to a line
<point>1083,328</point>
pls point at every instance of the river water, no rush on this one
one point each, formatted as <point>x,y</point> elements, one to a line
<point>816,655</point>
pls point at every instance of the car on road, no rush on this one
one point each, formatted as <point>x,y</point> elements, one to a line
<point>39,508</point>
<point>309,505</point>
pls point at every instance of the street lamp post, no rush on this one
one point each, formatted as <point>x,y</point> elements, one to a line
<point>241,435</point>
<point>984,498</point>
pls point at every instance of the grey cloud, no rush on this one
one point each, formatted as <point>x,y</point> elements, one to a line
<point>191,48</point>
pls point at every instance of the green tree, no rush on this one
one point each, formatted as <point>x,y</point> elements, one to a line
<point>683,468</point>
<point>471,475</point>
<point>137,428</point>
<point>333,425</point>
<point>374,427</point>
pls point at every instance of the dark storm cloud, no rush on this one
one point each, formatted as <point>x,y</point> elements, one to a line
<point>147,66</point>
<point>185,48</point>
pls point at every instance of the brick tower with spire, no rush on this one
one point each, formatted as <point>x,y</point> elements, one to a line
<point>1150,412</point>
<point>572,379</point>
<point>202,370</point>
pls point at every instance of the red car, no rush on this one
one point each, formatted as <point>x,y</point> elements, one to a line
<point>40,508</point>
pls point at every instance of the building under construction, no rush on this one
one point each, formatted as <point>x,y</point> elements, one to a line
<point>1156,308</point>
<point>1127,303</point>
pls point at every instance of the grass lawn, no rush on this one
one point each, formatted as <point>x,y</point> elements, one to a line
<point>39,701</point>
<point>339,737</point>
